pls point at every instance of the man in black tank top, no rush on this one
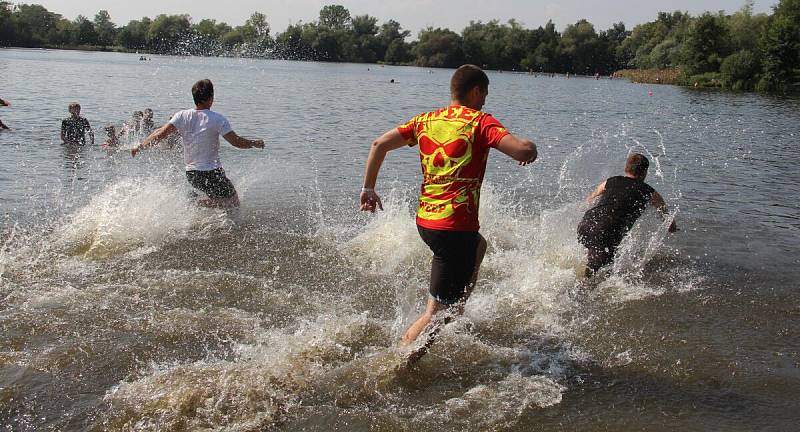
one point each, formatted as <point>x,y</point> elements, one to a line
<point>622,199</point>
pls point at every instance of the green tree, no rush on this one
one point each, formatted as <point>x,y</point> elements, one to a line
<point>669,29</point>
<point>481,43</point>
<point>211,29</point>
<point>334,17</point>
<point>705,45</point>
<point>546,56</point>
<point>781,46</point>
<point>392,38</point>
<point>739,71</point>
<point>105,29</point>
<point>167,32</point>
<point>255,33</point>
<point>63,34</point>
<point>743,26</point>
<point>32,23</point>
<point>84,31</point>
<point>616,36</point>
<point>366,47</point>
<point>134,34</point>
<point>233,39</point>
<point>398,52</point>
<point>439,48</point>
<point>293,43</point>
<point>7,33</point>
<point>580,46</point>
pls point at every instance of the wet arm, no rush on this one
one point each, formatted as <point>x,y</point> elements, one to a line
<point>157,135</point>
<point>520,149</point>
<point>658,202</point>
<point>387,142</point>
<point>599,190</point>
<point>242,143</point>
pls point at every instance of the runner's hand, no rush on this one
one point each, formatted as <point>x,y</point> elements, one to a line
<point>370,201</point>
<point>258,143</point>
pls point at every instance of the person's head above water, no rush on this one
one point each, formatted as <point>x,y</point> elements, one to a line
<point>74,109</point>
<point>203,93</point>
<point>137,115</point>
<point>636,166</point>
<point>148,114</point>
<point>469,86</point>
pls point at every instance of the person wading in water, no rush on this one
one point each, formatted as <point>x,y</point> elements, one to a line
<point>200,129</point>
<point>453,144</point>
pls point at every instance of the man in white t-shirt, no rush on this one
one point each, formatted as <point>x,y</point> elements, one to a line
<point>200,129</point>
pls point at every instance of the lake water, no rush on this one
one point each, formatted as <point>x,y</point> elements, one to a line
<point>125,307</point>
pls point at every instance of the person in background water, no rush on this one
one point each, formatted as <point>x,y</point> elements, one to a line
<point>147,124</point>
<point>111,142</point>
<point>3,103</point>
<point>75,128</point>
<point>454,144</point>
<point>620,202</point>
<point>200,129</point>
<point>132,127</point>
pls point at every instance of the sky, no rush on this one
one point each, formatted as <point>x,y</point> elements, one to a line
<point>411,14</point>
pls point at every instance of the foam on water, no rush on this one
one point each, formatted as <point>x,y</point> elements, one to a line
<point>513,350</point>
<point>133,213</point>
<point>240,348</point>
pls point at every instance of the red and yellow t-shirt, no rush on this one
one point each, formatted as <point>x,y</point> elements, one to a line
<point>454,146</point>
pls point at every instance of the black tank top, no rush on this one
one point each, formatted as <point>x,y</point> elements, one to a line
<point>618,208</point>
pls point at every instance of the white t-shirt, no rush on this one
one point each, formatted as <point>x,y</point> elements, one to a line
<point>200,130</point>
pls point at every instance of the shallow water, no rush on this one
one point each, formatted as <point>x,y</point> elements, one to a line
<point>125,307</point>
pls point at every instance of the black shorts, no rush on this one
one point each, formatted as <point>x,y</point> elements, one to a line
<point>599,256</point>
<point>453,263</point>
<point>601,244</point>
<point>213,183</point>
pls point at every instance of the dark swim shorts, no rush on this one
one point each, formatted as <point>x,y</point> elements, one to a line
<point>453,262</point>
<point>213,183</point>
<point>601,246</point>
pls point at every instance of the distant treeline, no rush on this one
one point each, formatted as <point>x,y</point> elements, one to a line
<point>742,51</point>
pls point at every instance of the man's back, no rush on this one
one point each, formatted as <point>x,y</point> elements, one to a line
<point>454,146</point>
<point>74,129</point>
<point>200,131</point>
<point>617,209</point>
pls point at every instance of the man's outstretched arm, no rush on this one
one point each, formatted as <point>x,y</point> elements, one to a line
<point>658,202</point>
<point>391,140</point>
<point>242,143</point>
<point>157,135</point>
<point>520,149</point>
<point>599,190</point>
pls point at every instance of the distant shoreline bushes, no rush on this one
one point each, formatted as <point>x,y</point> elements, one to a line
<point>742,51</point>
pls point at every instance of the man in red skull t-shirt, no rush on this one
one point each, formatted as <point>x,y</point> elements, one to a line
<point>453,145</point>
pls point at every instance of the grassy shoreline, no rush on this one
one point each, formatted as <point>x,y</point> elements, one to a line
<point>650,76</point>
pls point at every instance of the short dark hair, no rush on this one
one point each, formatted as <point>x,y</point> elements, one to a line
<point>202,91</point>
<point>466,78</point>
<point>637,165</point>
<point>74,105</point>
